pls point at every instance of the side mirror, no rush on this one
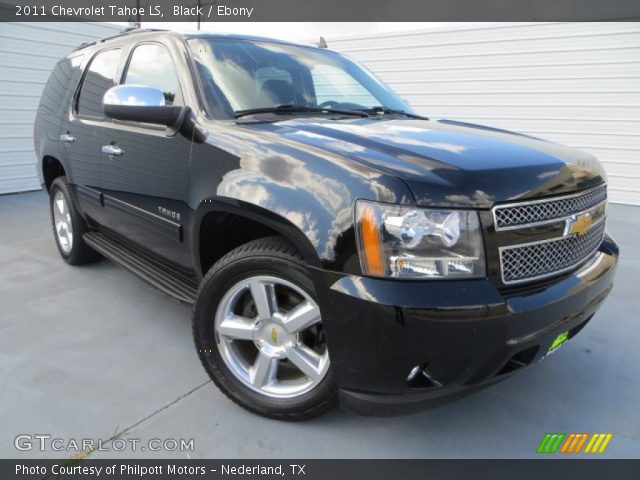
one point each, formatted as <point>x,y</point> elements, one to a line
<point>137,103</point>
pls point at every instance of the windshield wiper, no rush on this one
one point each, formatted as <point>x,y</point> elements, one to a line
<point>381,109</point>
<point>288,109</point>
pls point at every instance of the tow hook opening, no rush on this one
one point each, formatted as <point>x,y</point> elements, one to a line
<point>419,377</point>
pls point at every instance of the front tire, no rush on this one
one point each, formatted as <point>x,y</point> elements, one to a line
<point>68,225</point>
<point>258,331</point>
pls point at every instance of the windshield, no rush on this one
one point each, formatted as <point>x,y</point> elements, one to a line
<point>243,75</point>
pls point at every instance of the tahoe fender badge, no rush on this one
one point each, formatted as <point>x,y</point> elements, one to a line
<point>165,212</point>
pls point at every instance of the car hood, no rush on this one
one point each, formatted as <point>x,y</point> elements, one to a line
<point>448,163</point>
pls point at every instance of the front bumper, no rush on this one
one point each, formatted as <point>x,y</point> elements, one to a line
<point>466,334</point>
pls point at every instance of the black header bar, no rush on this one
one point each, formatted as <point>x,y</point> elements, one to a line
<point>317,469</point>
<point>318,10</point>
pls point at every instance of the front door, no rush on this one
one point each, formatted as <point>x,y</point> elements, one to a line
<point>145,168</point>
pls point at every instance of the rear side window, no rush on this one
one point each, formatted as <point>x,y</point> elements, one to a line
<point>100,77</point>
<point>56,93</point>
<point>151,66</point>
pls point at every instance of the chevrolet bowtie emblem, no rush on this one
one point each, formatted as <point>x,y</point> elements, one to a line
<point>578,224</point>
<point>274,335</point>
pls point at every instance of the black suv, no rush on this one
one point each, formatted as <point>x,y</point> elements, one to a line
<point>335,244</point>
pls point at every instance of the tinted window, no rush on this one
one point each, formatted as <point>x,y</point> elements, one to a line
<point>151,65</point>
<point>100,77</point>
<point>240,75</point>
<point>333,84</point>
<point>56,92</point>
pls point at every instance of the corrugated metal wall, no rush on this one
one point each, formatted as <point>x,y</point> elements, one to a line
<point>28,52</point>
<point>573,83</point>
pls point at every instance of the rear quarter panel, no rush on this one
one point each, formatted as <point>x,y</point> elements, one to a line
<point>53,105</point>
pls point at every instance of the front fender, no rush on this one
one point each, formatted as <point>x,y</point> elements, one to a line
<point>256,214</point>
<point>306,193</point>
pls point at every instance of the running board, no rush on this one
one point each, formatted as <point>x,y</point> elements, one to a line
<point>163,277</point>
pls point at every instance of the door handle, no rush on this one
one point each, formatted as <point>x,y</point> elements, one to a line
<point>66,138</point>
<point>112,150</point>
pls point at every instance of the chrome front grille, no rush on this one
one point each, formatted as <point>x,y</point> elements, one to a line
<point>582,213</point>
<point>537,212</point>
<point>542,259</point>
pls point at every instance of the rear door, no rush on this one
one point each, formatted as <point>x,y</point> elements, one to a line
<point>145,184</point>
<point>80,129</point>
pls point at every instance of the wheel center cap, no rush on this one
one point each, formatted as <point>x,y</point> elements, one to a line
<point>271,338</point>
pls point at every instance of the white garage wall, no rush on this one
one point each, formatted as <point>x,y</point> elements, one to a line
<point>573,83</point>
<point>28,53</point>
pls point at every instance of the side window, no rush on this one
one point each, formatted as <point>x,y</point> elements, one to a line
<point>334,84</point>
<point>100,77</point>
<point>151,66</point>
<point>56,92</point>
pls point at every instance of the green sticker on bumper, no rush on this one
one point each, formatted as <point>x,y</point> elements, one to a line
<point>560,339</point>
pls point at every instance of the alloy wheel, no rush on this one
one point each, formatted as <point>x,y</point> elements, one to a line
<point>62,222</point>
<point>269,335</point>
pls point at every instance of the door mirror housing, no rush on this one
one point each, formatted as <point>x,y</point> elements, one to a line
<point>139,103</point>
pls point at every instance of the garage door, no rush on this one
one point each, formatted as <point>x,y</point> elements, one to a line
<point>573,83</point>
<point>28,52</point>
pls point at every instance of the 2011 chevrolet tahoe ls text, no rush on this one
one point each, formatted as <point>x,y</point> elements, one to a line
<point>336,245</point>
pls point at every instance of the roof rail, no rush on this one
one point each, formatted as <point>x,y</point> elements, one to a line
<point>123,33</point>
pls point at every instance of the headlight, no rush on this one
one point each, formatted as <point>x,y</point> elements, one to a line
<point>409,242</point>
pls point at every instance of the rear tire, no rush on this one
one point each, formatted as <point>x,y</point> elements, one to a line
<point>270,356</point>
<point>68,225</point>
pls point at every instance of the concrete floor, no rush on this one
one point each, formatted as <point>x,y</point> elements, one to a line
<point>89,351</point>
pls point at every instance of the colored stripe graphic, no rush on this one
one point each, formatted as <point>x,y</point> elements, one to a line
<point>550,443</point>
<point>581,442</point>
<point>598,443</point>
<point>543,443</point>
<point>574,443</point>
<point>568,442</point>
